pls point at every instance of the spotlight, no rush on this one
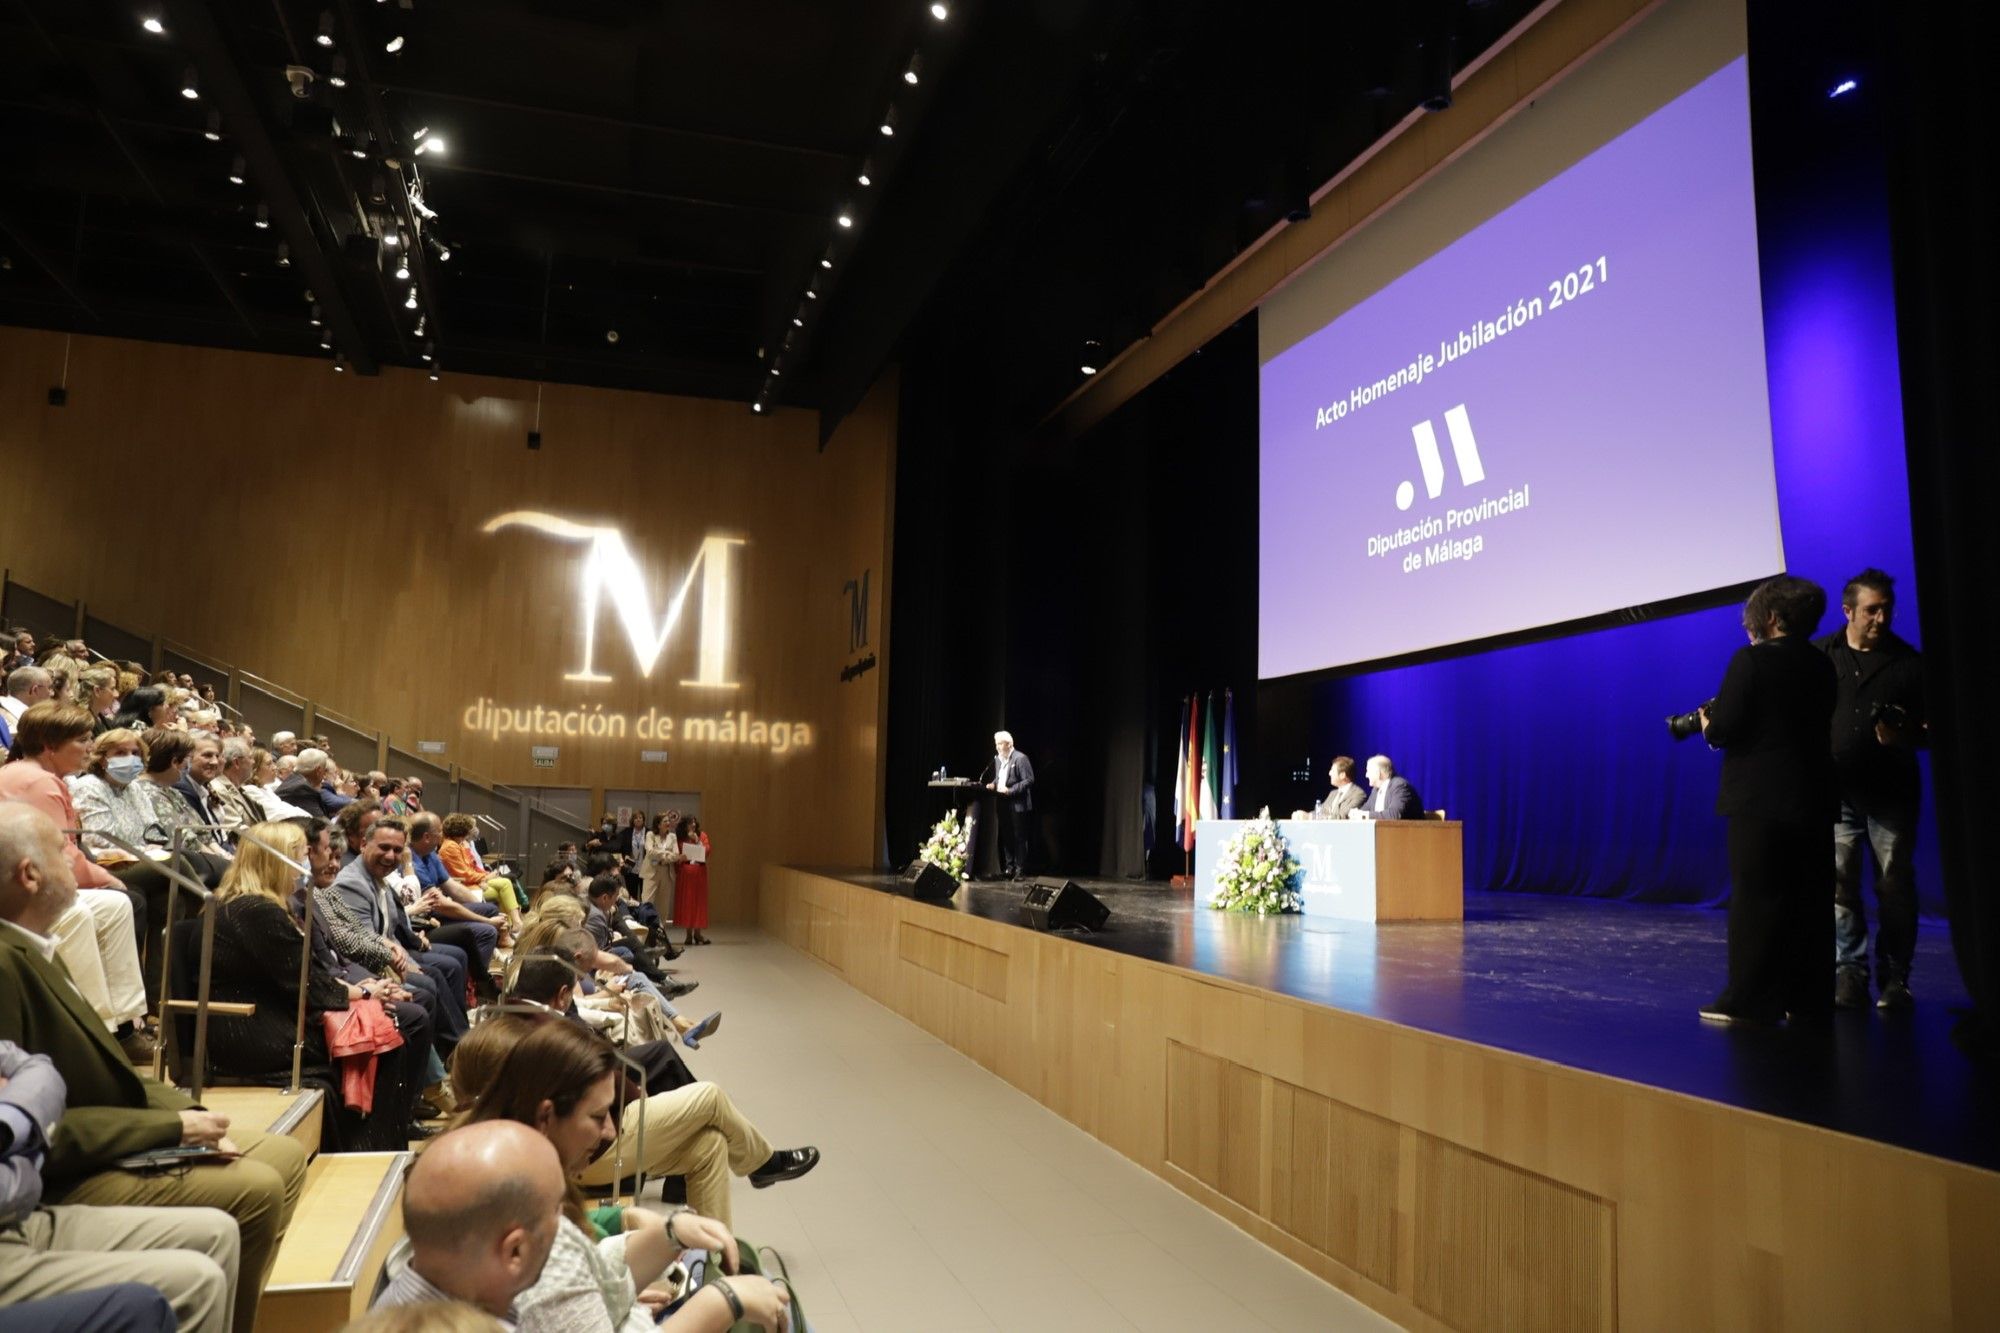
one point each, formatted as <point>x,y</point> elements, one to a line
<point>338,78</point>
<point>756,407</point>
<point>313,318</point>
<point>444,254</point>
<point>1088,369</point>
<point>1092,351</point>
<point>913,70</point>
<point>534,439</point>
<point>826,262</point>
<point>1844,87</point>
<point>190,88</point>
<point>236,172</point>
<point>263,219</point>
<point>428,348</point>
<point>325,35</point>
<point>418,137</point>
<point>434,372</point>
<point>798,322</point>
<point>339,366</point>
<point>420,326</point>
<point>411,304</point>
<point>395,44</point>
<point>214,131</point>
<point>811,295</point>
<point>434,144</point>
<point>390,238</point>
<point>611,336</point>
<point>845,220</point>
<point>940,13</point>
<point>151,23</point>
<point>284,254</point>
<point>402,270</point>
<point>775,372</point>
<point>863,177</point>
<point>889,123</point>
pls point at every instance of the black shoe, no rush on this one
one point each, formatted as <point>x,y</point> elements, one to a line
<point>1721,1012</point>
<point>1895,995</point>
<point>673,990</point>
<point>420,1131</point>
<point>1850,989</point>
<point>785,1164</point>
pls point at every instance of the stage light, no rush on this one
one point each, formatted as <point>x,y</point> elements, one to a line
<point>420,326</point>
<point>914,69</point>
<point>775,372</point>
<point>845,220</point>
<point>390,238</point>
<point>435,372</point>
<point>826,262</point>
<point>1087,369</point>
<point>214,131</point>
<point>284,254</point>
<point>428,349</point>
<point>864,177</point>
<point>236,171</point>
<point>611,336</point>
<point>756,407</point>
<point>402,270</point>
<point>811,295</point>
<point>1844,87</point>
<point>940,13</point>
<point>889,123</point>
<point>418,137</point>
<point>338,78</point>
<point>798,322</point>
<point>395,44</point>
<point>444,254</point>
<point>411,304</point>
<point>190,87</point>
<point>325,35</point>
<point>263,218</point>
<point>313,318</point>
<point>151,23</point>
<point>434,144</point>
<point>339,366</point>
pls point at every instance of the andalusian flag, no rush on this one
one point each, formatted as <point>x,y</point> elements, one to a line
<point>1180,779</point>
<point>1228,755</point>
<point>1191,773</point>
<point>1211,766</point>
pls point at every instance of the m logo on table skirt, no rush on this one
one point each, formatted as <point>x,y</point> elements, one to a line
<point>609,571</point>
<point>1464,451</point>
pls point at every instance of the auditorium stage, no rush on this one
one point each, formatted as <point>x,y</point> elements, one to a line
<point>1607,987</point>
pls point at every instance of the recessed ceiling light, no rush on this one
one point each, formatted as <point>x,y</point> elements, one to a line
<point>845,220</point>
<point>913,69</point>
<point>889,123</point>
<point>395,44</point>
<point>263,219</point>
<point>151,23</point>
<point>338,78</point>
<point>325,35</point>
<point>214,131</point>
<point>940,12</point>
<point>1088,369</point>
<point>236,171</point>
<point>826,263</point>
<point>190,89</point>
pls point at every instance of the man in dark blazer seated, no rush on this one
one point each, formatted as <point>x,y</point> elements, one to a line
<point>1013,787</point>
<point>1389,796</point>
<point>114,1111</point>
<point>1347,794</point>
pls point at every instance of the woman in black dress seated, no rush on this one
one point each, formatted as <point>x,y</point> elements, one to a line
<point>257,943</point>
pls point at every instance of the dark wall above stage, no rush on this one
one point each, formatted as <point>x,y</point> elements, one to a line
<point>1075,593</point>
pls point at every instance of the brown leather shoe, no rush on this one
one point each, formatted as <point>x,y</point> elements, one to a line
<point>138,1047</point>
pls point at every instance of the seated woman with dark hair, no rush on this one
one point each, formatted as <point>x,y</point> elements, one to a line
<point>144,707</point>
<point>562,1081</point>
<point>258,942</point>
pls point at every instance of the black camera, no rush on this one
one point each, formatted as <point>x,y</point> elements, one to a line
<point>1683,725</point>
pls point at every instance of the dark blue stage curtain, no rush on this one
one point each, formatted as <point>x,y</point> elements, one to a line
<point>1554,753</point>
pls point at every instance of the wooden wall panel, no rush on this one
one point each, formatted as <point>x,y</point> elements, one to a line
<point>324,531</point>
<point>1445,1184</point>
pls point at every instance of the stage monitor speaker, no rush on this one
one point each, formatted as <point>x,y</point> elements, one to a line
<point>928,882</point>
<point>1062,905</point>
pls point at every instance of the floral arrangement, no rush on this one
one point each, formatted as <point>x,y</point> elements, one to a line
<point>947,846</point>
<point>1257,872</point>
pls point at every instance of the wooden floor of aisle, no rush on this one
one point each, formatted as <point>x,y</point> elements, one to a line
<point>947,1200</point>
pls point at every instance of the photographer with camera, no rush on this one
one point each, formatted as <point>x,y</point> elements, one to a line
<point>1769,719</point>
<point>1878,723</point>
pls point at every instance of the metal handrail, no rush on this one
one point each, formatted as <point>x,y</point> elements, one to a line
<point>187,885</point>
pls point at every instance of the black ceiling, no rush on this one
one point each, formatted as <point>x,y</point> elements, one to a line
<point>671,170</point>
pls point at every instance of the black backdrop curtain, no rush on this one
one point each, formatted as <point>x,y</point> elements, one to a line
<point>1944,159</point>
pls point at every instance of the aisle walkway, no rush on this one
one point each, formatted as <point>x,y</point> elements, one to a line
<point>947,1200</point>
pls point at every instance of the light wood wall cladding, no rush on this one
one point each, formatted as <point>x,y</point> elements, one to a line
<point>324,531</point>
<point>1447,1185</point>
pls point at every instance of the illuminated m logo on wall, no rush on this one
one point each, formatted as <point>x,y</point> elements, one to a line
<point>609,571</point>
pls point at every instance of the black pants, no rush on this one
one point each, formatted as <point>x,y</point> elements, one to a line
<point>1780,880</point>
<point>1017,840</point>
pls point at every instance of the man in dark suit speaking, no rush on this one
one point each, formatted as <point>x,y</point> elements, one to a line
<point>1013,787</point>
<point>1389,796</point>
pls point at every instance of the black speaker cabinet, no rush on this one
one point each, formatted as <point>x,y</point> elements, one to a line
<point>1061,906</point>
<point>928,882</point>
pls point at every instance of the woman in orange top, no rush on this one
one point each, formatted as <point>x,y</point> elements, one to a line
<point>465,868</point>
<point>691,879</point>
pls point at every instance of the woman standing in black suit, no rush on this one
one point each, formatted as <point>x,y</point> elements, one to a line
<point>1770,719</point>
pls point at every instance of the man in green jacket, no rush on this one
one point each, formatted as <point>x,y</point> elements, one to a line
<point>113,1111</point>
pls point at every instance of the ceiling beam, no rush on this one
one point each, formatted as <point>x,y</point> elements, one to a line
<point>223,87</point>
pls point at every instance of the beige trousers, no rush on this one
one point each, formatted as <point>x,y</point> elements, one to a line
<point>95,941</point>
<point>190,1255</point>
<point>259,1189</point>
<point>695,1132</point>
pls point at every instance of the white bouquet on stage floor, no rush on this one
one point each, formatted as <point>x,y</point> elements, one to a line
<point>947,846</point>
<point>1257,872</point>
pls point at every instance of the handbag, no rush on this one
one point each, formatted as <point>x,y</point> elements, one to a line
<point>763,1262</point>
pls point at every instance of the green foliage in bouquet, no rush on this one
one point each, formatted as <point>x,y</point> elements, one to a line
<point>947,846</point>
<point>1257,872</point>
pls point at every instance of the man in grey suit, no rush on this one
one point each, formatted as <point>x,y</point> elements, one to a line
<point>1389,796</point>
<point>1013,787</point>
<point>1347,794</point>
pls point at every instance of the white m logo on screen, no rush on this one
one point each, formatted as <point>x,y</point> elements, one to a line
<point>610,571</point>
<point>1464,449</point>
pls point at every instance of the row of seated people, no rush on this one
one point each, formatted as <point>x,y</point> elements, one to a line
<point>358,890</point>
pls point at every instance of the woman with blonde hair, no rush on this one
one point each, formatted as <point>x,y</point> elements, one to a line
<point>258,944</point>
<point>97,694</point>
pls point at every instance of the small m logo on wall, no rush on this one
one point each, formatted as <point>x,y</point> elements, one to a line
<point>1464,451</point>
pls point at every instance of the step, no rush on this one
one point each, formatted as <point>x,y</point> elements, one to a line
<point>349,1215</point>
<point>273,1111</point>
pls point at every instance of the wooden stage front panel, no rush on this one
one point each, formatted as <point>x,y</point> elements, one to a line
<point>1446,1184</point>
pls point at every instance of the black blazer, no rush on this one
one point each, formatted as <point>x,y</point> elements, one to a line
<point>1770,720</point>
<point>1402,801</point>
<point>296,790</point>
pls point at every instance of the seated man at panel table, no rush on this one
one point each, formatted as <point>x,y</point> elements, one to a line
<point>113,1111</point>
<point>1389,796</point>
<point>1347,794</point>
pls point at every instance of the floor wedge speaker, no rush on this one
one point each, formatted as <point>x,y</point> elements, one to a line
<point>1062,905</point>
<point>930,882</point>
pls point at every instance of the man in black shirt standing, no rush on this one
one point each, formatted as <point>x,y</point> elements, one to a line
<point>1878,722</point>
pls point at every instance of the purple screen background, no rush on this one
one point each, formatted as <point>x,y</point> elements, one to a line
<point>1638,414</point>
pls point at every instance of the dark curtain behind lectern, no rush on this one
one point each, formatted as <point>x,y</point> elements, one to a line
<point>1944,160</point>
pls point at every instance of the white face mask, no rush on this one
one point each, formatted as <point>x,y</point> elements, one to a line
<point>121,769</point>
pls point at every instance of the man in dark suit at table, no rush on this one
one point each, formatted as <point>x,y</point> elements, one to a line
<point>1347,794</point>
<point>1389,796</point>
<point>1013,788</point>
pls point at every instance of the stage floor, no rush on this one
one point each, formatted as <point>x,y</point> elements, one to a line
<point>1608,987</point>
